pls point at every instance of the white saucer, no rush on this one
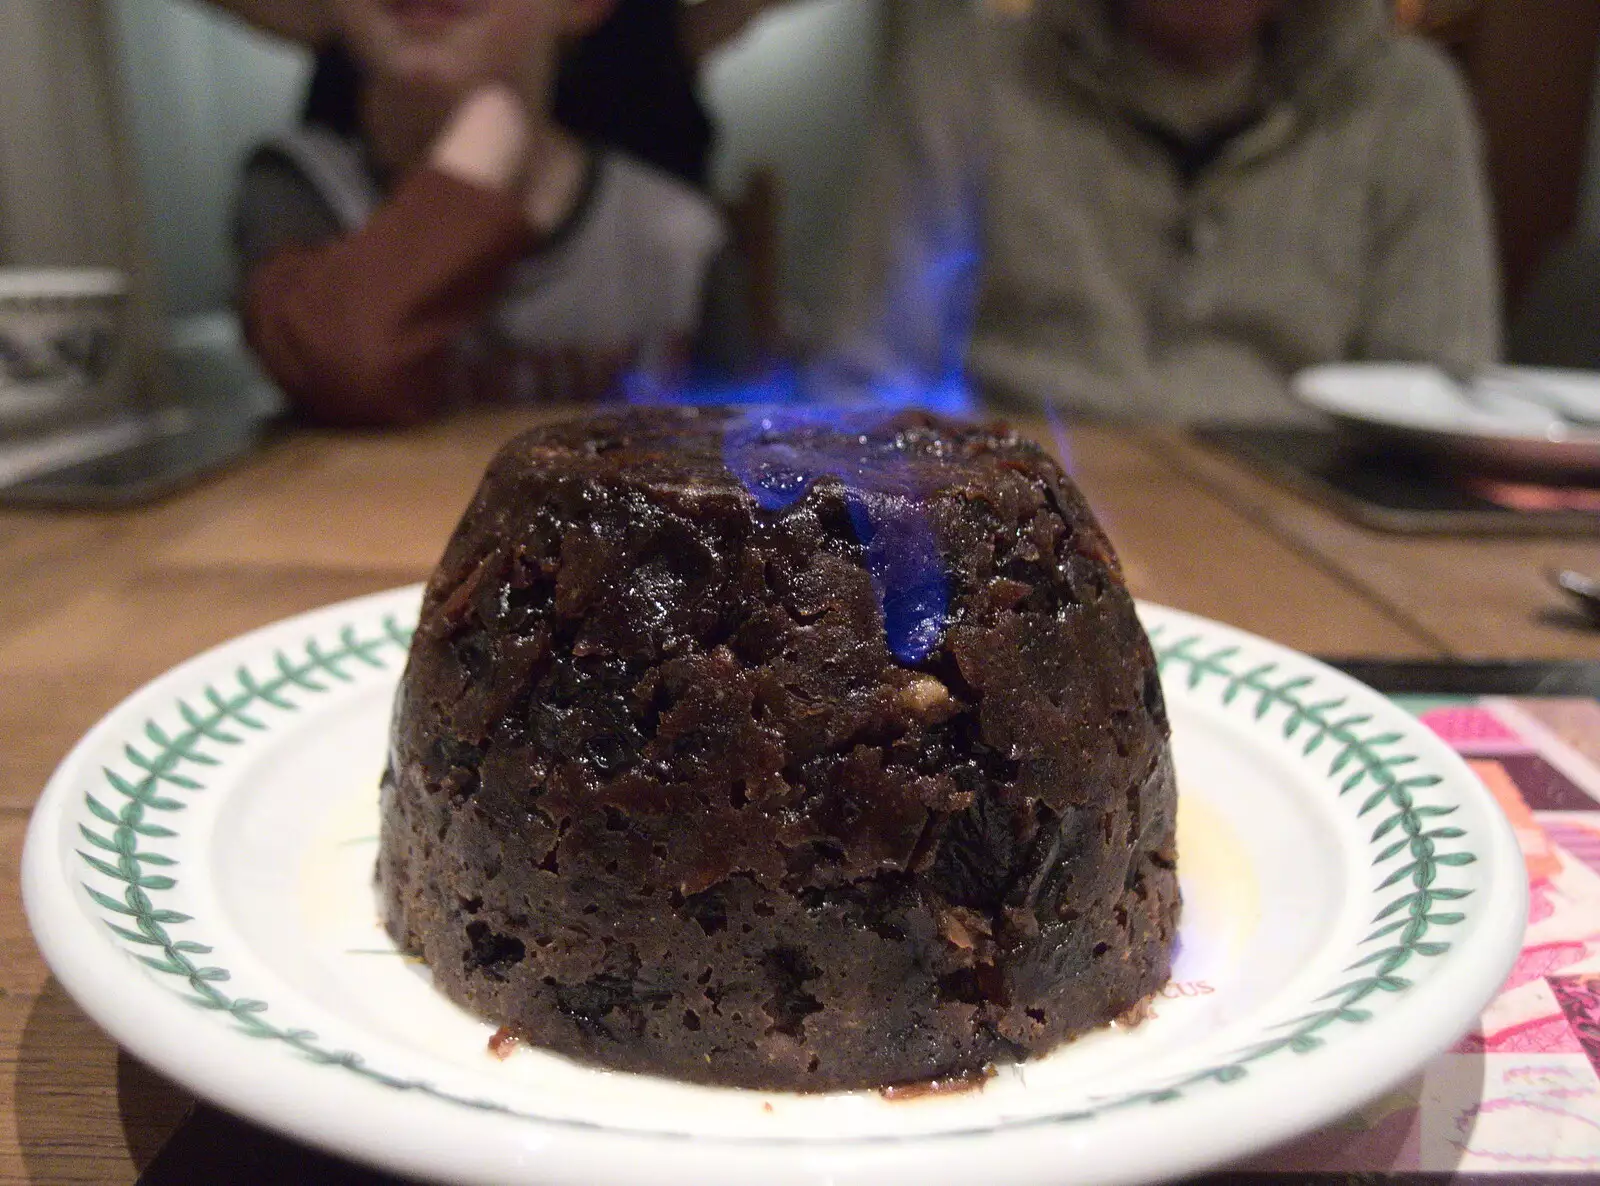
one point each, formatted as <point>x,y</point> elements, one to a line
<point>1499,425</point>
<point>198,875</point>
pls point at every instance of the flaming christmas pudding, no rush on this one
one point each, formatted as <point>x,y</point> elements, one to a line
<point>783,751</point>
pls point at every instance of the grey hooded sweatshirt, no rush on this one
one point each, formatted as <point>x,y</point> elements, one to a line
<point>1032,210</point>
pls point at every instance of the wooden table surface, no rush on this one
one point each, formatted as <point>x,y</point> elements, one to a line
<point>95,604</point>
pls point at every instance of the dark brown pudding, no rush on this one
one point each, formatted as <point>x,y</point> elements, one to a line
<point>782,753</point>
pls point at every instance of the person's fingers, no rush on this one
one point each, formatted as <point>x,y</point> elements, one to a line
<point>486,139</point>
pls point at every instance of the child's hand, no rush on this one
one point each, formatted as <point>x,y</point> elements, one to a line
<point>486,140</point>
<point>491,140</point>
<point>554,176</point>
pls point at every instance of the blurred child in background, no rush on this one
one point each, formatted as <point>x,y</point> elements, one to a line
<point>434,234</point>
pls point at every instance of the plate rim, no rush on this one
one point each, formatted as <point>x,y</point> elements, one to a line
<point>1214,1137</point>
<point>1304,384</point>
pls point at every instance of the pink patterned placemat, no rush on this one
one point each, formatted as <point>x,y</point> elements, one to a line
<point>1518,1098</point>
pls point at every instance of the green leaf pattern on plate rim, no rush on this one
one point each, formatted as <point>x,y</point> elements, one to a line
<point>164,763</point>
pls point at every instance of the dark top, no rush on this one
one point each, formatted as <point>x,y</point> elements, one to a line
<point>631,85</point>
<point>628,85</point>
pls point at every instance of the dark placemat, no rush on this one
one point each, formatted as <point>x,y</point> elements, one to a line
<point>1557,677</point>
<point>1397,492</point>
<point>163,462</point>
<point>213,1148</point>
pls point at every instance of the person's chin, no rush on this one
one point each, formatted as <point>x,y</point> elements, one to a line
<point>429,19</point>
<point>433,67</point>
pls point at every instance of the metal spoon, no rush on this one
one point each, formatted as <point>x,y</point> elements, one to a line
<point>1584,590</point>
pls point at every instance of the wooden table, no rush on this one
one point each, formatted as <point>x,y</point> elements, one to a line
<point>93,605</point>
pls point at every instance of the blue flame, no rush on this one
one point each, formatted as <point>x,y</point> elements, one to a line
<point>786,385</point>
<point>902,555</point>
<point>908,578</point>
<point>1062,439</point>
<point>783,385</point>
<point>932,291</point>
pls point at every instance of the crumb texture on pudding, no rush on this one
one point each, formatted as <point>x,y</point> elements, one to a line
<point>782,753</point>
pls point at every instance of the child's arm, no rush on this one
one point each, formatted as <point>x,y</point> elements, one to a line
<point>358,329</point>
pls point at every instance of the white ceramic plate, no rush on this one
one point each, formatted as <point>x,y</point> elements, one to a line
<point>198,875</point>
<point>1501,427</point>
